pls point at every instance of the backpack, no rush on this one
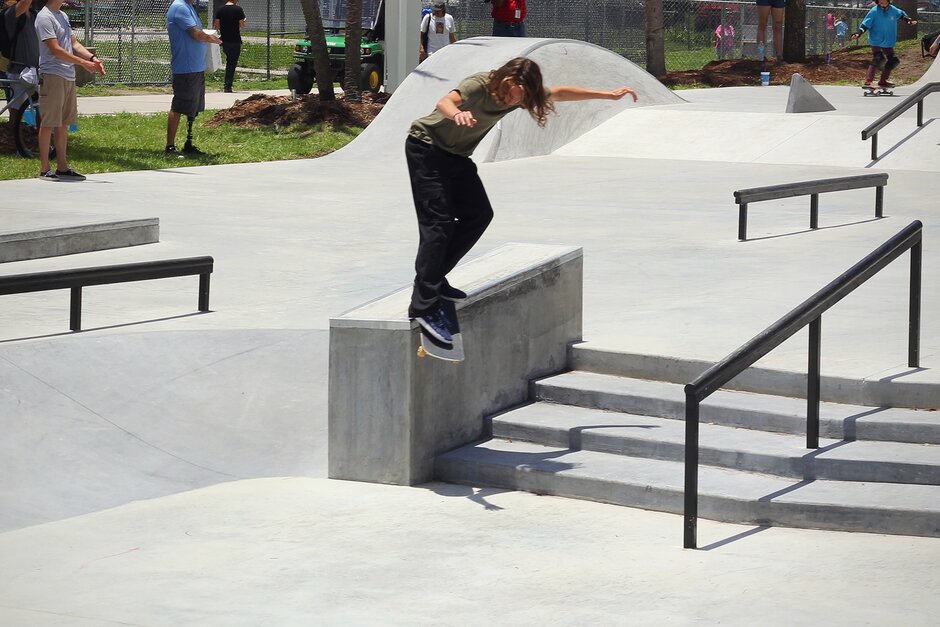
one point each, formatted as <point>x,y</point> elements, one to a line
<point>926,41</point>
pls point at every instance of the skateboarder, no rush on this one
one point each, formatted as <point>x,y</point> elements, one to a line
<point>451,203</point>
<point>882,22</point>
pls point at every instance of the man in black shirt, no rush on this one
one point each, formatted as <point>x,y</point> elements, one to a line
<point>229,20</point>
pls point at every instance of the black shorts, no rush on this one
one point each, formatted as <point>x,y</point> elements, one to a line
<point>189,93</point>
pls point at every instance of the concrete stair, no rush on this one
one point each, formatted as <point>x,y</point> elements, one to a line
<point>619,439</point>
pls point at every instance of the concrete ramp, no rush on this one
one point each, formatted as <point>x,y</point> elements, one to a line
<point>563,62</point>
<point>932,75</point>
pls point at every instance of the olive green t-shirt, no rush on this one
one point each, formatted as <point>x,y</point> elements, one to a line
<point>442,132</point>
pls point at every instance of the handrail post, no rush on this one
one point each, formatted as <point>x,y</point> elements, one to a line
<point>879,201</point>
<point>812,383</point>
<point>691,470</point>
<point>874,146</point>
<point>742,222</point>
<point>920,112</point>
<point>913,341</point>
<point>204,292</point>
<point>75,309</point>
<point>814,211</point>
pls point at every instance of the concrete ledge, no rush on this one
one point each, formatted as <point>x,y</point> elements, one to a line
<point>391,413</point>
<point>83,238</point>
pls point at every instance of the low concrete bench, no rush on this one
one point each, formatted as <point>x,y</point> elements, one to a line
<point>392,413</point>
<point>812,189</point>
<point>81,238</point>
<point>77,278</point>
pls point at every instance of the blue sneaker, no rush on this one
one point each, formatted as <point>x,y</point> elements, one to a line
<point>435,323</point>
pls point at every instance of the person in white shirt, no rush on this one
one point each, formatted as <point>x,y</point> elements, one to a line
<point>437,30</point>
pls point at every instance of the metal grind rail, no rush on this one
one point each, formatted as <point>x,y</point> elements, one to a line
<point>808,313</point>
<point>76,279</point>
<point>813,189</point>
<point>917,98</point>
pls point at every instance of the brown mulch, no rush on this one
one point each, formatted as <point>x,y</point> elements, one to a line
<point>847,64</point>
<point>259,110</point>
<point>7,145</point>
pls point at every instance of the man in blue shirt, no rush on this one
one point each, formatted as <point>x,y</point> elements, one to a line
<point>882,22</point>
<point>188,64</point>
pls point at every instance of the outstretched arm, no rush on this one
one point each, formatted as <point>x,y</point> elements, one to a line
<point>566,93</point>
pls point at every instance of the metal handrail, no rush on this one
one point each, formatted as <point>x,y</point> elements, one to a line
<point>808,313</point>
<point>916,98</point>
<point>813,189</point>
<point>76,278</point>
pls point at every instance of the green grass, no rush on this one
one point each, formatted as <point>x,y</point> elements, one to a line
<point>214,82</point>
<point>124,142</point>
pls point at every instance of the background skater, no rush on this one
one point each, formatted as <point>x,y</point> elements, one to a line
<point>451,203</point>
<point>882,24</point>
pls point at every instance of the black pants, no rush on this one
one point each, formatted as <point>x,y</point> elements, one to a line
<point>453,212</point>
<point>232,52</point>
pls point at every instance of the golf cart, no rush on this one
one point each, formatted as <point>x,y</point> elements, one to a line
<point>301,76</point>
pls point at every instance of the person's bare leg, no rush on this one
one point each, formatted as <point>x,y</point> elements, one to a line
<point>172,124</point>
<point>45,140</point>
<point>60,138</point>
<point>762,14</point>
<point>778,32</point>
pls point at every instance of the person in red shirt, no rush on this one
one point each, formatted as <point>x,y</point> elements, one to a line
<point>508,18</point>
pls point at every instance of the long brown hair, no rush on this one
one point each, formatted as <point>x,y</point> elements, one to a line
<point>527,74</point>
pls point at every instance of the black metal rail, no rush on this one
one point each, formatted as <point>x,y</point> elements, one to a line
<point>871,131</point>
<point>808,313</point>
<point>78,278</point>
<point>812,189</point>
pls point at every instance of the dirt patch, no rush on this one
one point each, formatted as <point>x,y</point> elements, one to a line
<point>260,110</point>
<point>847,66</point>
<point>7,144</point>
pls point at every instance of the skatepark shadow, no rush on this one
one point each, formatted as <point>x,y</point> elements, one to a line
<point>576,434</point>
<point>850,423</point>
<point>103,328</point>
<point>900,143</point>
<point>821,228</point>
<point>477,495</point>
<point>734,538</point>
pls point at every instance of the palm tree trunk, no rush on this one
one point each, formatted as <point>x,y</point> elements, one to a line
<point>353,54</point>
<point>655,46</point>
<point>321,58</point>
<point>794,31</point>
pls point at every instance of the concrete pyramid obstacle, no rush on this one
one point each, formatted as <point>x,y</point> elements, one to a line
<point>804,98</point>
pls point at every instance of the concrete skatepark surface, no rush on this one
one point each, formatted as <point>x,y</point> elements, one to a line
<point>166,467</point>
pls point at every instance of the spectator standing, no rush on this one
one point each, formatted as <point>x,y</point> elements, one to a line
<point>724,41</point>
<point>842,29</point>
<point>19,20</point>
<point>774,9</point>
<point>229,22</point>
<point>188,65</point>
<point>437,30</point>
<point>508,18</point>
<point>59,53</point>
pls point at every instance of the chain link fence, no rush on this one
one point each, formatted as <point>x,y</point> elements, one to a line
<point>130,35</point>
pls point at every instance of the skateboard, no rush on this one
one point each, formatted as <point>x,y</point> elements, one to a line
<point>876,91</point>
<point>435,348</point>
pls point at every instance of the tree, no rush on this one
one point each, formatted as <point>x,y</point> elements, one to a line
<point>321,57</point>
<point>655,45</point>
<point>905,30</point>
<point>794,31</point>
<point>353,44</point>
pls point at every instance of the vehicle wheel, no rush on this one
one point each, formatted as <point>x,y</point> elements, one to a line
<point>26,136</point>
<point>370,77</point>
<point>300,78</point>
